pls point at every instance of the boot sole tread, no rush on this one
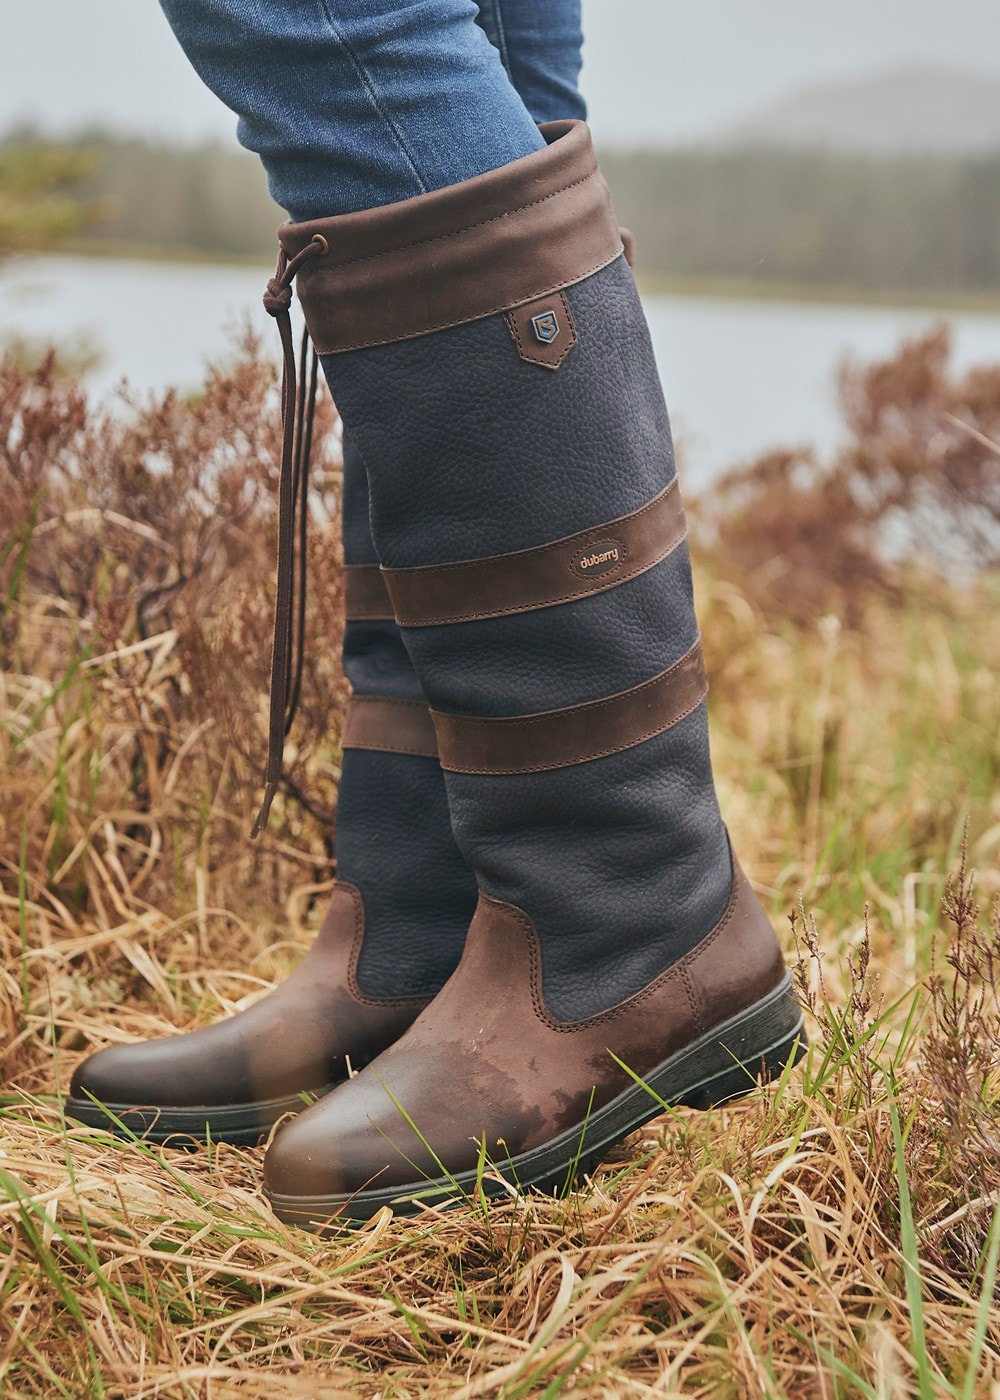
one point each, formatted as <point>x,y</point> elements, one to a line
<point>242,1125</point>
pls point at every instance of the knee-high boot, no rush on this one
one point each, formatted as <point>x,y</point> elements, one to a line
<point>488,352</point>
<point>393,932</point>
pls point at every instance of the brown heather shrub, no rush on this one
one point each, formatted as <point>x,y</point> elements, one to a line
<point>916,482</point>
<point>136,586</point>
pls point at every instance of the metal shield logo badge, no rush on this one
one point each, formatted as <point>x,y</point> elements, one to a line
<point>546,327</point>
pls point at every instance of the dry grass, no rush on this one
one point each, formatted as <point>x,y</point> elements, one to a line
<point>836,1236</point>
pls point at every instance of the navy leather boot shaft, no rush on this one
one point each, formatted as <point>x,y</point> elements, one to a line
<point>488,351</point>
<point>394,840</point>
<point>478,447</point>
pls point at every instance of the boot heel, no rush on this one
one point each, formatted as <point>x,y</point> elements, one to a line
<point>753,1048</point>
<point>742,1079</point>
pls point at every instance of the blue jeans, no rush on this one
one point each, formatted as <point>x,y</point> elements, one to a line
<point>352,104</point>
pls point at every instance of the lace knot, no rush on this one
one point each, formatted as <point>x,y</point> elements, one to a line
<point>277,297</point>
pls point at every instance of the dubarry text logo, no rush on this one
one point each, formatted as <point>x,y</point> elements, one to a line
<point>599,558</point>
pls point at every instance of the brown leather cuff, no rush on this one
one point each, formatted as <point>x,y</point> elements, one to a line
<point>389,726</point>
<point>366,598</point>
<point>591,561</point>
<point>458,254</point>
<point>577,734</point>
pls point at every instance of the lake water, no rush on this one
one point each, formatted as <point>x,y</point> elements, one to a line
<point>740,376</point>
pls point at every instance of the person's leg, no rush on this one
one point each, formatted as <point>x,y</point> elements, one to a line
<point>540,44</point>
<point>354,103</point>
<point>310,79</point>
<point>488,352</point>
<point>397,920</point>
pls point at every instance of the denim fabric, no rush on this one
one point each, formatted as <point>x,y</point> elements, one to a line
<point>540,44</point>
<point>355,103</point>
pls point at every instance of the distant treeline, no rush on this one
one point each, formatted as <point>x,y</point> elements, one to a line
<point>758,215</point>
<point>927,224</point>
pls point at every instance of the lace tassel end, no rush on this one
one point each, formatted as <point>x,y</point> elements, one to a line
<point>265,810</point>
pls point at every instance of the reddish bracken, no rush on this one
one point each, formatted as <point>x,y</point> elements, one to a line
<point>916,479</point>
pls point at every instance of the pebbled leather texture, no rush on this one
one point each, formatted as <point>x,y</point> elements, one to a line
<point>622,863</point>
<point>359,547</point>
<point>576,734</point>
<point>296,1038</point>
<point>515,1075</point>
<point>454,427</point>
<point>564,655</point>
<point>376,662</point>
<point>394,841</point>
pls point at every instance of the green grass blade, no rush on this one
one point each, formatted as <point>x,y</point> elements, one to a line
<point>985,1303</point>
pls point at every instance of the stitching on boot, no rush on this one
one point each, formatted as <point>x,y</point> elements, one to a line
<point>467,320</point>
<point>605,525</point>
<point>469,228</point>
<point>511,726</point>
<point>355,957</point>
<point>679,970</point>
<point>693,1000</point>
<point>584,539</point>
<point>535,976</point>
<point>589,757</point>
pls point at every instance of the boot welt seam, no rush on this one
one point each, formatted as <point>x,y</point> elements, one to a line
<point>694,1002</point>
<point>635,1105</point>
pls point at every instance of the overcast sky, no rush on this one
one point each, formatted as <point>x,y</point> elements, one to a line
<point>656,70</point>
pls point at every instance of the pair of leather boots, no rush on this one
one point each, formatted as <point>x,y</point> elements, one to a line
<point>539,935</point>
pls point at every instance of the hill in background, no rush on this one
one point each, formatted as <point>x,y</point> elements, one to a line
<point>912,111</point>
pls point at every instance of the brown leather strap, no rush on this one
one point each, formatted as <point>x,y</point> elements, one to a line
<point>558,738</point>
<point>588,562</point>
<point>389,726</point>
<point>365,596</point>
<point>458,254</point>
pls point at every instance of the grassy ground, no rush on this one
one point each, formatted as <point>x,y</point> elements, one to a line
<point>836,1235</point>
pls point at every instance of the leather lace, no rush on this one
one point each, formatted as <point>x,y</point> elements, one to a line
<point>298,406</point>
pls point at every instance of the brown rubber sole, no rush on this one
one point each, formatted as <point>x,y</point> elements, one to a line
<point>725,1064</point>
